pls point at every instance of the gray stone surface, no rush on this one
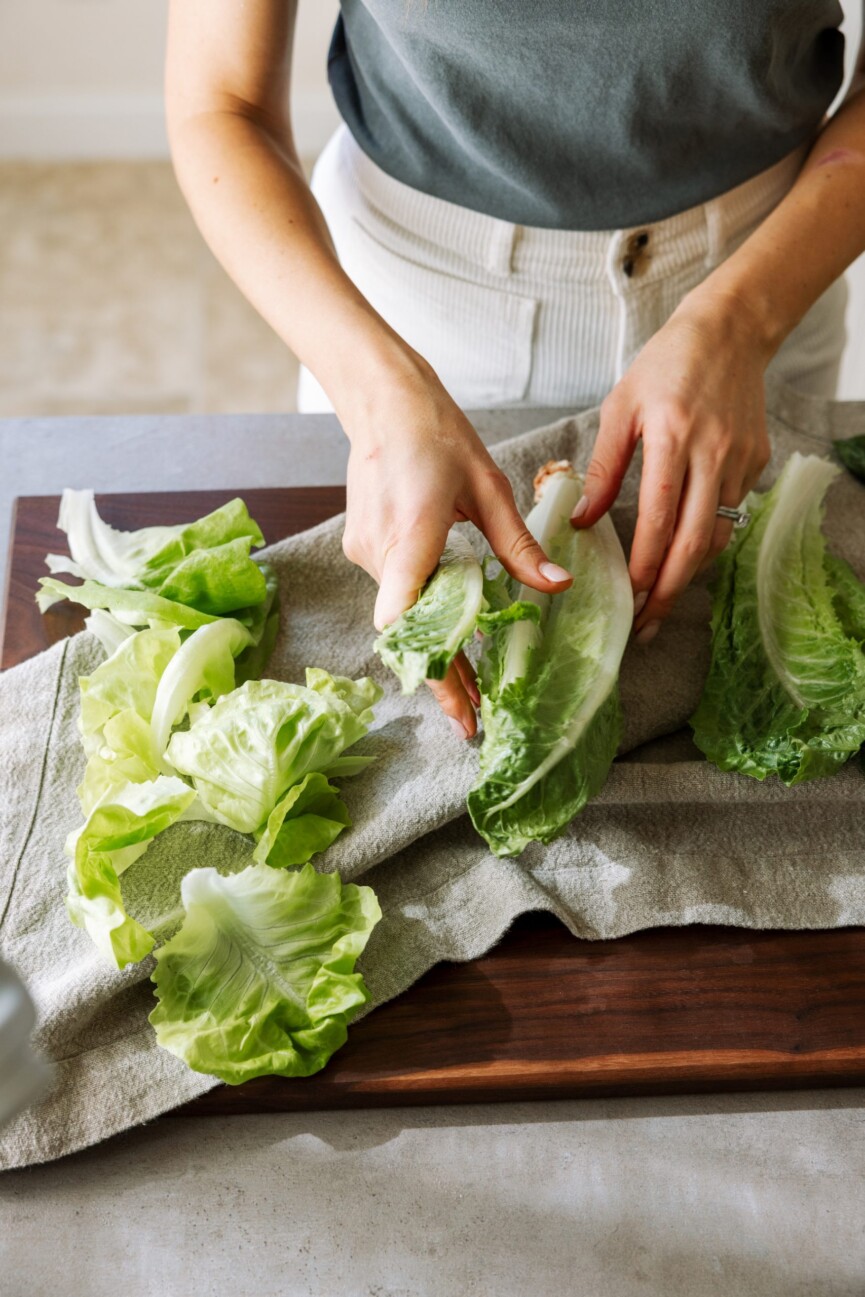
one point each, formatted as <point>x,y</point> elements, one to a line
<point>756,1195</point>
<point>751,1196</point>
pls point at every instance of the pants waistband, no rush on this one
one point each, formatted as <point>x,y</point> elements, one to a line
<point>706,230</point>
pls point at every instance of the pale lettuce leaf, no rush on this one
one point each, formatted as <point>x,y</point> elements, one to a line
<point>261,979</point>
<point>305,821</point>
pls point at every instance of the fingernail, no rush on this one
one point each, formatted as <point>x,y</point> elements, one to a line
<point>580,508</point>
<point>640,602</point>
<point>458,728</point>
<point>648,633</point>
<point>552,572</point>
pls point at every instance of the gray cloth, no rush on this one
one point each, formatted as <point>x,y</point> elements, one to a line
<point>583,114</point>
<point>670,840</point>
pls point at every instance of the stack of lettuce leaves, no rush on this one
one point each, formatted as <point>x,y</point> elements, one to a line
<point>785,693</point>
<point>176,726</point>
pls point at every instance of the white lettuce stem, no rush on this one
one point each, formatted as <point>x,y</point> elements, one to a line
<point>559,494</point>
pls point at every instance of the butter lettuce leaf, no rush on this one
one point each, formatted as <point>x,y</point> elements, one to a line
<point>260,979</point>
<point>115,835</point>
<point>785,693</point>
<point>549,686</point>
<point>305,821</point>
<point>245,752</point>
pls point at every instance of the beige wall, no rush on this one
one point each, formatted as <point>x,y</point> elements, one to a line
<point>82,78</point>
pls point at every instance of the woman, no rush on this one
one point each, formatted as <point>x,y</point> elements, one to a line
<point>550,203</point>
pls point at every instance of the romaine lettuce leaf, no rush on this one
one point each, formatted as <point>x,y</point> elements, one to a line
<point>851,452</point>
<point>785,693</point>
<point>549,692</point>
<point>256,742</point>
<point>423,641</point>
<point>261,979</point>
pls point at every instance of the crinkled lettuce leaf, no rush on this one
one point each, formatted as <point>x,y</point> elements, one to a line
<point>457,600</point>
<point>117,833</point>
<point>785,693</point>
<point>305,821</point>
<point>205,564</point>
<point>256,742</point>
<point>549,688</point>
<point>851,452</point>
<point>261,979</point>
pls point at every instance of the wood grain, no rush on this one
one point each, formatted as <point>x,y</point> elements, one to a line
<point>543,1014</point>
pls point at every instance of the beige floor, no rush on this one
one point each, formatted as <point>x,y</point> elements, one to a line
<point>110,302</point>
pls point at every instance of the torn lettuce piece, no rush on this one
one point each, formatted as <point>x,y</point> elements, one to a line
<point>131,607</point>
<point>256,742</point>
<point>203,665</point>
<point>457,600</point>
<point>549,688</point>
<point>116,834</point>
<point>424,640</point>
<point>205,564</point>
<point>128,679</point>
<point>785,693</point>
<point>108,630</point>
<point>124,755</point>
<point>305,821</point>
<point>260,979</point>
<point>851,452</point>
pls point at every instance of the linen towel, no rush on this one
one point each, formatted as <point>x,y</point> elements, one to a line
<point>670,840</point>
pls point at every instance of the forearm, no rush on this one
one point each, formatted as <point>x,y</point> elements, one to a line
<point>252,203</point>
<point>805,243</point>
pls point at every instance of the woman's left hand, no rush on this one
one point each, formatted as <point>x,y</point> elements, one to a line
<point>694,395</point>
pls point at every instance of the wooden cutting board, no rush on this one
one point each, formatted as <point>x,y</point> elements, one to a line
<point>543,1014</point>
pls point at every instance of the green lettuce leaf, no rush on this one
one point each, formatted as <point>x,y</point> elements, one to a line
<point>256,742</point>
<point>785,693</point>
<point>116,834</point>
<point>204,564</point>
<point>260,978</point>
<point>457,600</point>
<point>203,667</point>
<point>132,607</point>
<point>851,452</point>
<point>424,640</point>
<point>128,679</point>
<point>305,821</point>
<point>549,691</point>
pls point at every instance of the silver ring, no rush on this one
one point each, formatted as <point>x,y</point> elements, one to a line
<point>736,516</point>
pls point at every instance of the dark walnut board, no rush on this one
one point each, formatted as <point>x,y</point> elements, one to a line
<point>543,1014</point>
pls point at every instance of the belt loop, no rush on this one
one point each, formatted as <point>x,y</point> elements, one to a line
<point>716,233</point>
<point>500,248</point>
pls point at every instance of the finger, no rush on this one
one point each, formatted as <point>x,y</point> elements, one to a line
<point>661,483</point>
<point>732,495</point>
<point>514,545</point>
<point>688,549</point>
<point>612,453</point>
<point>467,674</point>
<point>405,568</point>
<point>451,696</point>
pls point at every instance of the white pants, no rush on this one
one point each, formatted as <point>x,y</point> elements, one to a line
<point>514,315</point>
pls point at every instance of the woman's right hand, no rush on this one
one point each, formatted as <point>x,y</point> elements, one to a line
<point>416,467</point>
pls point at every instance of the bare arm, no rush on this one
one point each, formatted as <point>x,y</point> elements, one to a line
<point>416,464</point>
<point>694,395</point>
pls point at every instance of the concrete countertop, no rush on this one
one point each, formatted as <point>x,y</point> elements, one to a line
<point>759,1195</point>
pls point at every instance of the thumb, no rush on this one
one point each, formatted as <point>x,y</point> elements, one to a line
<point>612,453</point>
<point>406,567</point>
<point>516,548</point>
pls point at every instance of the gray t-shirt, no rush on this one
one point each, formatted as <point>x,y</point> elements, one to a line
<point>583,114</point>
